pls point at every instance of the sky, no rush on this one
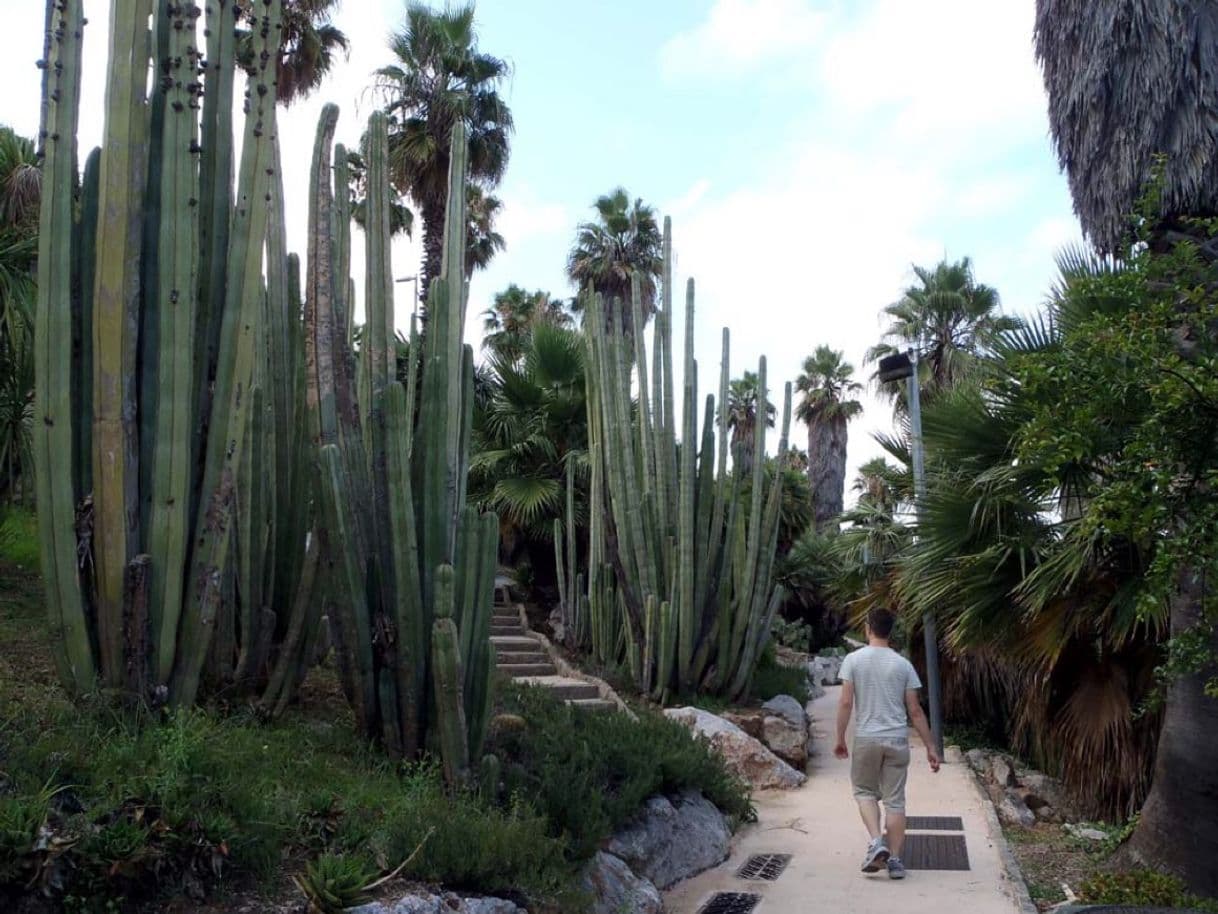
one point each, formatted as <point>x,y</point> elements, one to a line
<point>809,153</point>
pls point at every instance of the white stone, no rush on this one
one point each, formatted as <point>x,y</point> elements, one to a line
<point>1086,833</point>
<point>788,708</point>
<point>786,740</point>
<point>824,669</point>
<point>1013,811</point>
<point>745,756</point>
<point>1001,772</point>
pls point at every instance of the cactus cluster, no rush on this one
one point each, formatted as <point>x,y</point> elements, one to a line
<point>167,363</point>
<point>413,567</point>
<point>678,560</point>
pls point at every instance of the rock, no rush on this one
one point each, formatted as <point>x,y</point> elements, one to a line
<point>744,755</point>
<point>1047,813</point>
<point>1013,811</point>
<point>617,890</point>
<point>1045,790</point>
<point>810,742</point>
<point>978,760</point>
<point>815,689</point>
<point>1001,772</point>
<point>448,903</point>
<point>952,755</point>
<point>1086,832</point>
<point>673,840</point>
<point>508,723</point>
<point>786,740</point>
<point>788,708</point>
<point>824,669</point>
<point>751,722</point>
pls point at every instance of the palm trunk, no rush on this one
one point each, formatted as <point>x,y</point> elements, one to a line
<point>433,247</point>
<point>827,470</point>
<point>1176,831</point>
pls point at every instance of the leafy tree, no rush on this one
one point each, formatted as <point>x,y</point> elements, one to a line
<point>880,484</point>
<point>741,415</point>
<point>439,78</point>
<point>532,421</point>
<point>1129,81</point>
<point>482,242</point>
<point>507,326</point>
<point>826,405</point>
<point>624,242</point>
<point>20,195</point>
<point>309,45</point>
<point>951,319</point>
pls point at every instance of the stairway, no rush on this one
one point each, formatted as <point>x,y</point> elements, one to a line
<point>525,660</point>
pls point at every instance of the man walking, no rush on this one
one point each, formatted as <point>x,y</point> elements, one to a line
<point>881,688</point>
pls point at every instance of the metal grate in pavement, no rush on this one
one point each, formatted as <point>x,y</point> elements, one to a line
<point>935,852</point>
<point>934,823</point>
<point>730,903</point>
<point>765,867</point>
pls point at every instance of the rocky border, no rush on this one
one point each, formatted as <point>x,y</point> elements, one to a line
<point>1016,886</point>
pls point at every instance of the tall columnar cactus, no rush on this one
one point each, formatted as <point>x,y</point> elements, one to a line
<point>688,568</point>
<point>413,567</point>
<point>164,442</point>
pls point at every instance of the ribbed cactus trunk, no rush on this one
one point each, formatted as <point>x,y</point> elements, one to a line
<point>165,441</point>
<point>678,562</point>
<point>412,567</point>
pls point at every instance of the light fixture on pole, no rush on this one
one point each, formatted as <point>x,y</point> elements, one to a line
<point>904,366</point>
<point>412,279</point>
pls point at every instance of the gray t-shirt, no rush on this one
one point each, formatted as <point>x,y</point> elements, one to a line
<point>881,677</point>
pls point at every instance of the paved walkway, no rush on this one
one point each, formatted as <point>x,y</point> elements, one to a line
<point>820,827</point>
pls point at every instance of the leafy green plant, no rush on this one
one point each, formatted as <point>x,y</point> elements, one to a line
<point>590,773</point>
<point>773,678</point>
<point>333,882</point>
<point>793,634</point>
<point>1142,888</point>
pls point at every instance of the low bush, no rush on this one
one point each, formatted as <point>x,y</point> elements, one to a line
<point>19,537</point>
<point>111,810</point>
<point>773,678</point>
<point>588,773</point>
<point>1142,888</point>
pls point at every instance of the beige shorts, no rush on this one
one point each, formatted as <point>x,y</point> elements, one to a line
<point>878,769</point>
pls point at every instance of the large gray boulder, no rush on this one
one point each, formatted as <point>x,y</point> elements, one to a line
<point>615,889</point>
<point>788,708</point>
<point>1012,810</point>
<point>673,840</point>
<point>745,756</point>
<point>786,740</point>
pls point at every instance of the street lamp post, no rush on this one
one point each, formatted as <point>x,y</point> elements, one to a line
<point>414,311</point>
<point>894,368</point>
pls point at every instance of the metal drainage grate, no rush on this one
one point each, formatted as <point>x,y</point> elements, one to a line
<point>936,852</point>
<point>730,903</point>
<point>934,823</point>
<point>766,867</point>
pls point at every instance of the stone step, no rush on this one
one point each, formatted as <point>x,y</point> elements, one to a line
<point>514,642</point>
<point>562,686</point>
<point>516,670</point>
<point>537,656</point>
<point>505,620</point>
<point>501,631</point>
<point>593,705</point>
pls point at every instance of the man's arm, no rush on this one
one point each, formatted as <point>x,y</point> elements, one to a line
<point>844,708</point>
<point>917,720</point>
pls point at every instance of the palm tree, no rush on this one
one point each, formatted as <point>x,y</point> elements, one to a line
<point>878,483</point>
<point>20,196</point>
<point>1131,84</point>
<point>507,326</point>
<point>482,242</point>
<point>439,79</point>
<point>533,420</point>
<point>309,44</point>
<point>950,318</point>
<point>827,405</point>
<point>740,414</point>
<point>623,243</point>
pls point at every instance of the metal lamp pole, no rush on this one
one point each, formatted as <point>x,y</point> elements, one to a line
<point>415,281</point>
<point>930,628</point>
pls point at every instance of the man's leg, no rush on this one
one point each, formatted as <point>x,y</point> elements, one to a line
<point>893,775</point>
<point>869,809</point>
<point>895,824</point>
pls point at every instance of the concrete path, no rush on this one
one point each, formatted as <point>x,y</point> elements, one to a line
<point>819,826</point>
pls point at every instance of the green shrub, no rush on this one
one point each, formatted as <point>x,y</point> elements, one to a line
<point>795,634</point>
<point>589,774</point>
<point>773,678</point>
<point>1142,888</point>
<point>19,538</point>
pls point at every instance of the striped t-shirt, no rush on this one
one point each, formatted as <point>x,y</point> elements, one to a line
<point>881,677</point>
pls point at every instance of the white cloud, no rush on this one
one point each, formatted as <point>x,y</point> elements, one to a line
<point>688,200</point>
<point>741,35</point>
<point>525,216</point>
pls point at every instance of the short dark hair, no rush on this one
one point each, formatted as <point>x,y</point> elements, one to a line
<point>881,621</point>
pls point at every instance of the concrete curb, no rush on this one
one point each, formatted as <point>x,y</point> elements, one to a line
<point>1017,886</point>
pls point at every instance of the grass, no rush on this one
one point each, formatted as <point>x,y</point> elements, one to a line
<point>19,538</point>
<point>111,810</point>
